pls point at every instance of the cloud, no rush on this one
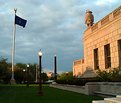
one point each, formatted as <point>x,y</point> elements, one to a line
<point>105,2</point>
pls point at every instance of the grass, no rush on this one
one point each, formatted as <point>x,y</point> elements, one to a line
<point>22,94</point>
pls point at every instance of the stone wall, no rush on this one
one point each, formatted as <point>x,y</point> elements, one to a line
<point>78,89</point>
<point>78,66</point>
<point>104,87</point>
<point>111,88</point>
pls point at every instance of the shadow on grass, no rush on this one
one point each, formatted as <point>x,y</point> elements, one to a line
<point>23,94</point>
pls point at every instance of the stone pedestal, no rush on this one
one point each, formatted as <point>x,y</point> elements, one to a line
<point>12,81</point>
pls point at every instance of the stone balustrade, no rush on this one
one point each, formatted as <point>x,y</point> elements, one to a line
<point>94,88</point>
<point>117,99</point>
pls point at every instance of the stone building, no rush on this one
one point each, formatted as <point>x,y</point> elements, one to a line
<point>50,74</point>
<point>102,46</point>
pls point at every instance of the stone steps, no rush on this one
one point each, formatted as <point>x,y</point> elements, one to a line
<point>118,96</point>
<point>117,99</point>
<point>113,100</point>
<point>99,101</point>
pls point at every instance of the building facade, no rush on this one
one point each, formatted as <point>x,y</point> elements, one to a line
<point>102,45</point>
<point>78,66</point>
<point>50,74</point>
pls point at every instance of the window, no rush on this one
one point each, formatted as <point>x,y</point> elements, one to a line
<point>119,52</point>
<point>96,60</point>
<point>107,56</point>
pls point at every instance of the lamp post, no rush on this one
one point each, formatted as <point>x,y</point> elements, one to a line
<point>55,68</point>
<point>24,76</point>
<point>27,75</point>
<point>40,76</point>
<point>36,74</point>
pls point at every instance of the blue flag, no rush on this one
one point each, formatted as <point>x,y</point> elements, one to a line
<point>19,21</point>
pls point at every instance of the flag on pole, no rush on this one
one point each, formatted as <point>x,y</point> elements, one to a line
<point>20,21</point>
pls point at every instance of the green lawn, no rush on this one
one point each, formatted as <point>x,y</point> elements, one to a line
<point>22,94</point>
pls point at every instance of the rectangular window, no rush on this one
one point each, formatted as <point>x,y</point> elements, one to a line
<point>96,60</point>
<point>107,56</point>
<point>119,52</point>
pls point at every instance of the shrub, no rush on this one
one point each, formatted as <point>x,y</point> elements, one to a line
<point>78,81</point>
<point>112,75</point>
<point>109,75</point>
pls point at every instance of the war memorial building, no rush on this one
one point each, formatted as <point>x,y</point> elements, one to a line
<point>102,44</point>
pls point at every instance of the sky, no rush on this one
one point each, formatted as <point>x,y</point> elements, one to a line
<point>54,26</point>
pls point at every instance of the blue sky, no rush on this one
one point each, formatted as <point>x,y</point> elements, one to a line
<point>54,26</point>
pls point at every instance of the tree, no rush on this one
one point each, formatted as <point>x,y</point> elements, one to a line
<point>5,70</point>
<point>32,72</point>
<point>44,77</point>
<point>22,73</point>
<point>66,75</point>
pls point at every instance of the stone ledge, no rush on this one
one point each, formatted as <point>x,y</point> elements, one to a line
<point>113,100</point>
<point>104,94</point>
<point>118,96</point>
<point>78,89</point>
<point>117,99</point>
<point>99,101</point>
<point>104,89</point>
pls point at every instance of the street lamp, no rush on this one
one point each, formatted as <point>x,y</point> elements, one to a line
<point>40,76</point>
<point>27,65</point>
<point>27,74</point>
<point>24,70</point>
<point>24,76</point>
<point>55,68</point>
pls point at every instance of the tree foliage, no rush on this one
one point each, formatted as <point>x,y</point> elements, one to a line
<point>24,73</point>
<point>4,70</point>
<point>44,77</point>
<point>111,75</point>
<point>66,75</point>
<point>20,72</point>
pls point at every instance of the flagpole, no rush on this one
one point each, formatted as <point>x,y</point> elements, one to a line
<point>13,51</point>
